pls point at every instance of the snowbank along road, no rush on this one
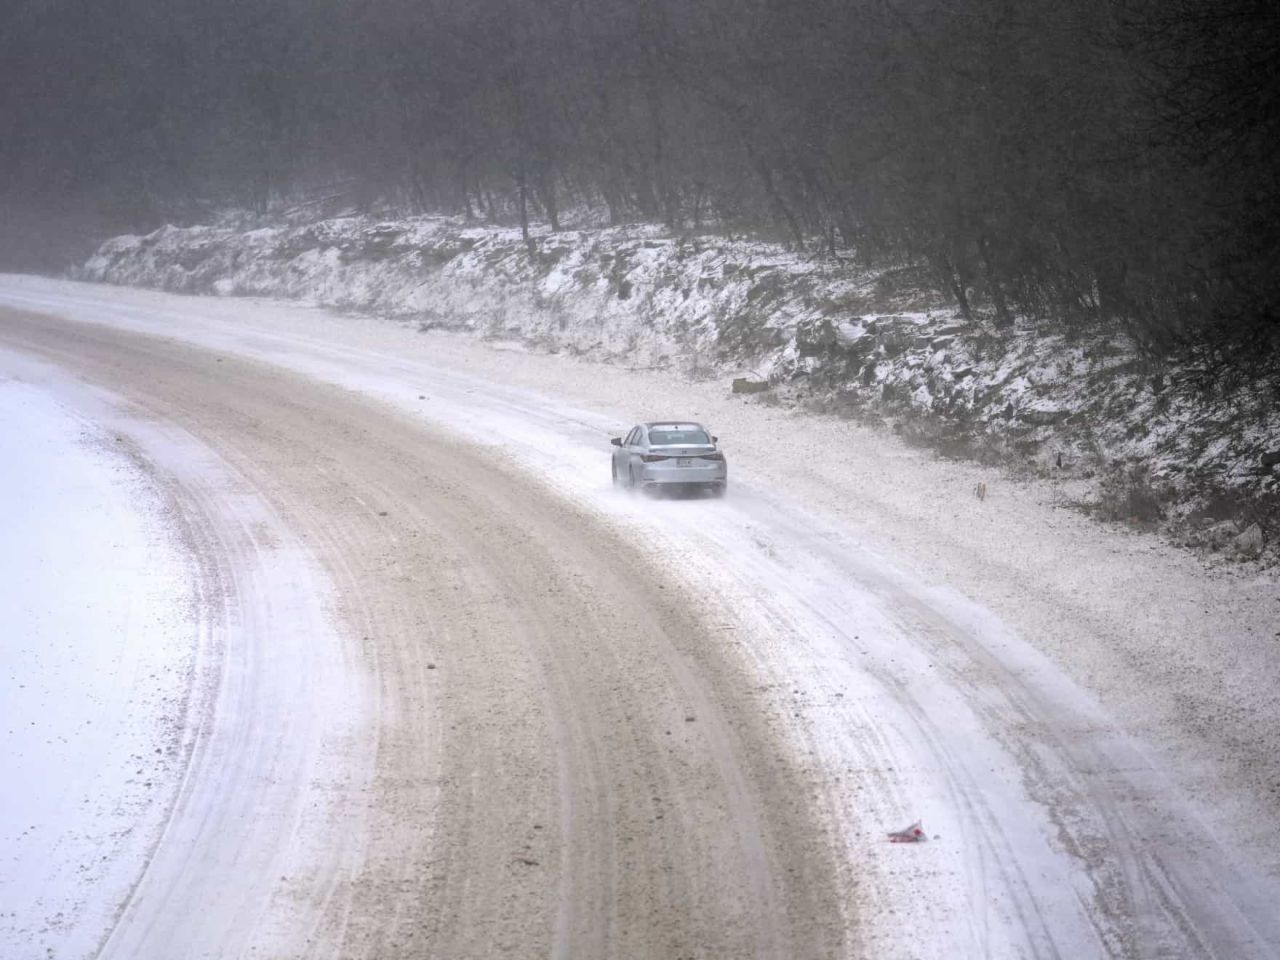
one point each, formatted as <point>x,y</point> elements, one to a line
<point>452,695</point>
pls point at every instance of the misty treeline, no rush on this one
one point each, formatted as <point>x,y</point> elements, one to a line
<point>1088,160</point>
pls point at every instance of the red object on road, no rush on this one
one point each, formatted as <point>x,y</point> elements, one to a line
<point>911,834</point>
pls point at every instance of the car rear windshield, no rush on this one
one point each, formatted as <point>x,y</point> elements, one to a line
<point>661,437</point>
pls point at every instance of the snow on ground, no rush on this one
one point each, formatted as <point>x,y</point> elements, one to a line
<point>170,671</point>
<point>1085,717</point>
<point>98,650</point>
<point>1142,443</point>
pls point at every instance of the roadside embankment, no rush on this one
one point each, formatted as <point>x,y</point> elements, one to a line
<point>1127,439</point>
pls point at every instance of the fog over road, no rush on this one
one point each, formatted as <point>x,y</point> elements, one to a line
<point>520,713</point>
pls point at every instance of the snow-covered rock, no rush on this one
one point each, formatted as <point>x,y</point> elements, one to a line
<point>1249,544</point>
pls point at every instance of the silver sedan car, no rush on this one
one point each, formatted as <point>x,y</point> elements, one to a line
<point>670,455</point>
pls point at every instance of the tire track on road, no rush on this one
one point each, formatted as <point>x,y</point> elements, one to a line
<point>567,762</point>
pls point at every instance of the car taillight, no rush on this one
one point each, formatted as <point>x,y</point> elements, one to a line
<point>653,457</point>
<point>712,456</point>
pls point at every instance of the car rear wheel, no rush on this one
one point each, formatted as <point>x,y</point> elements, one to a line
<point>717,489</point>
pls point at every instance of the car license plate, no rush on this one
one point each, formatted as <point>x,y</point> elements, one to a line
<point>684,461</point>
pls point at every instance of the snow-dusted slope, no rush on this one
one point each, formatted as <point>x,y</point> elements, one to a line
<point>1140,442</point>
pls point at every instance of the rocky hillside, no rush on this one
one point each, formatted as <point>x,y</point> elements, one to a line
<point>1131,441</point>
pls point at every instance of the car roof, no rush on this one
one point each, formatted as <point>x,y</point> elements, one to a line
<point>675,423</point>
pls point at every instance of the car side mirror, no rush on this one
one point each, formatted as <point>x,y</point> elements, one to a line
<point>715,439</point>
<point>616,441</point>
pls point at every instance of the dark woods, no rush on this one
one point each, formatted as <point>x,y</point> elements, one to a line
<point>1094,161</point>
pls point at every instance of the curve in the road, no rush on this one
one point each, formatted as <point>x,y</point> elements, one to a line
<point>564,760</point>
<point>1060,837</point>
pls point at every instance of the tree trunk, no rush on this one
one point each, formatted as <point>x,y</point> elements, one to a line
<point>952,275</point>
<point>464,190</point>
<point>780,205</point>
<point>663,195</point>
<point>613,203</point>
<point>417,190</point>
<point>524,212</point>
<point>547,194</point>
<point>1109,279</point>
<point>961,295</point>
<point>1003,318</point>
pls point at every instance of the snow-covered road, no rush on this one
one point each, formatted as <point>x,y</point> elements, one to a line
<point>91,731</point>
<point>1084,720</point>
<point>161,620</point>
